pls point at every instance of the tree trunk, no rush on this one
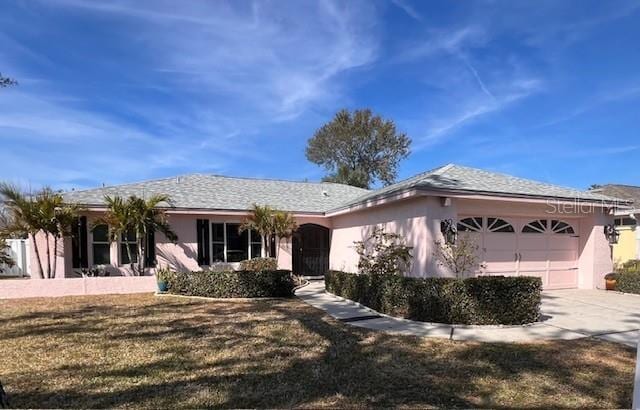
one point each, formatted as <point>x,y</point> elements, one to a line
<point>55,255</point>
<point>131,264</point>
<point>36,250</point>
<point>142,246</point>
<point>48,256</point>
<point>267,244</point>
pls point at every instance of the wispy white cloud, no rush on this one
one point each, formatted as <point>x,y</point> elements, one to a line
<point>594,102</point>
<point>438,130</point>
<point>219,74</point>
<point>408,9</point>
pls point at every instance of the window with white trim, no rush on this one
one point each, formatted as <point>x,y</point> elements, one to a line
<point>553,226</point>
<point>101,245</point>
<point>499,225</point>
<point>230,245</point>
<point>627,221</point>
<point>537,226</point>
<point>561,227</point>
<point>473,224</point>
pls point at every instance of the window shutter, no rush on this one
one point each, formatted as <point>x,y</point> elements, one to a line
<point>202,231</point>
<point>79,254</point>
<point>150,251</point>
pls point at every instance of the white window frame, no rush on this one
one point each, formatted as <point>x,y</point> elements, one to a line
<point>94,242</point>
<point>225,246</point>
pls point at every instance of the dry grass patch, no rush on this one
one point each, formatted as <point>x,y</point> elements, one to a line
<point>143,351</point>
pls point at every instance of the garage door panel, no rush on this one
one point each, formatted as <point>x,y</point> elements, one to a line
<point>559,279</point>
<point>560,242</point>
<point>500,261</point>
<point>500,241</point>
<point>563,259</point>
<point>532,242</point>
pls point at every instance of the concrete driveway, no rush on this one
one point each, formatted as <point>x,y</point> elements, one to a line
<point>566,314</point>
<point>606,315</point>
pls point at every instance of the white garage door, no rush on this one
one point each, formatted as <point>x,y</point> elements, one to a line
<point>547,248</point>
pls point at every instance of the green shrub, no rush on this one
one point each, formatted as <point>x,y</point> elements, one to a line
<point>237,284</point>
<point>486,300</point>
<point>259,264</point>
<point>164,275</point>
<point>628,282</point>
<point>632,265</point>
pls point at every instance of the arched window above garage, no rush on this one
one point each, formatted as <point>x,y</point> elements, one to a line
<point>537,226</point>
<point>562,227</point>
<point>473,224</point>
<point>499,225</point>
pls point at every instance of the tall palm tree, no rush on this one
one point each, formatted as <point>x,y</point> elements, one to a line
<point>139,216</point>
<point>260,221</point>
<point>283,227</point>
<point>24,218</point>
<point>46,213</point>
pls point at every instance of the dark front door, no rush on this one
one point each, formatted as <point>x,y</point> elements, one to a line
<point>311,250</point>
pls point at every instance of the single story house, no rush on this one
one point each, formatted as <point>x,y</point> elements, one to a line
<point>626,221</point>
<point>523,227</point>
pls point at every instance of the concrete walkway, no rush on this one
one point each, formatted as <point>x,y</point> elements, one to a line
<point>566,314</point>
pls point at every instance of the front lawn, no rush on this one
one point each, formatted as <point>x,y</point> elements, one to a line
<point>167,352</point>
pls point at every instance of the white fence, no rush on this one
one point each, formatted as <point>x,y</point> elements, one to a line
<point>19,252</point>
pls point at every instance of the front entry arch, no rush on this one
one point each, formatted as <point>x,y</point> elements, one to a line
<point>310,256</point>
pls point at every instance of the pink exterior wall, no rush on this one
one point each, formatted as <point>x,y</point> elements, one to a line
<point>59,254</point>
<point>285,251</point>
<point>24,288</point>
<point>596,258</point>
<point>416,219</point>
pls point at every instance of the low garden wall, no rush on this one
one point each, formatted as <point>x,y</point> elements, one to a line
<point>35,288</point>
<point>232,284</point>
<point>484,300</point>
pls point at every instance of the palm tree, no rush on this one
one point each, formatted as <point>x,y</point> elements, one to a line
<point>283,227</point>
<point>261,222</point>
<point>139,216</point>
<point>24,218</point>
<point>45,212</point>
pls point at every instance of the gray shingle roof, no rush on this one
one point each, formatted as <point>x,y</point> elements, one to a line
<point>458,178</point>
<point>198,191</point>
<point>629,192</point>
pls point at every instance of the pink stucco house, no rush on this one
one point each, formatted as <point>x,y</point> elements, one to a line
<point>523,227</point>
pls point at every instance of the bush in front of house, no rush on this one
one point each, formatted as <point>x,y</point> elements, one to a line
<point>485,300</point>
<point>233,284</point>
<point>259,264</point>
<point>628,282</point>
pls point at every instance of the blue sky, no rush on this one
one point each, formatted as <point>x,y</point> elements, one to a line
<point>119,91</point>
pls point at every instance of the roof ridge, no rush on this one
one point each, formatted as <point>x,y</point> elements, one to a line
<point>132,183</point>
<point>144,181</point>
<point>282,180</point>
<point>502,174</point>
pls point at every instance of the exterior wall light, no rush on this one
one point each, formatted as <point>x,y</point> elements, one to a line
<point>612,234</point>
<point>449,231</point>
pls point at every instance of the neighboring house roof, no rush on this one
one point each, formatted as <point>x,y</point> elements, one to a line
<point>460,179</point>
<point>213,192</point>
<point>628,192</point>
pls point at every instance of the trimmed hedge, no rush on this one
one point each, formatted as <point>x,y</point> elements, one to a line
<point>484,300</point>
<point>628,282</point>
<point>233,284</point>
<point>259,264</point>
